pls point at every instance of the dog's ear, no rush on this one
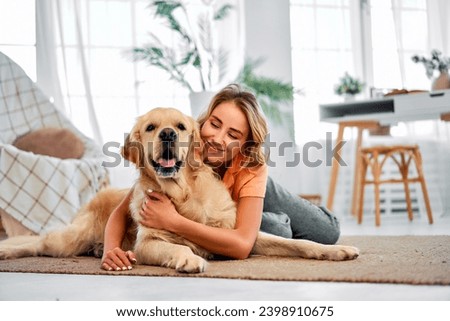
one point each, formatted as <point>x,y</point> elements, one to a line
<point>133,149</point>
<point>195,154</point>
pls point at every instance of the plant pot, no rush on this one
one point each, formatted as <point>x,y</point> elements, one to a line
<point>442,81</point>
<point>200,102</point>
<point>382,130</point>
<point>349,98</point>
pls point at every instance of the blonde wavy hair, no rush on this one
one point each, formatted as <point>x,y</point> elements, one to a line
<point>246,101</point>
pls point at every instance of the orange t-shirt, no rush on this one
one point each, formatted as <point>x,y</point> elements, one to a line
<point>245,181</point>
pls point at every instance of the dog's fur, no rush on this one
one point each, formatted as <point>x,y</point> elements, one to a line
<point>166,147</point>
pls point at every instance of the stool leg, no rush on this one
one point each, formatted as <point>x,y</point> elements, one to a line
<point>335,169</point>
<point>377,204</point>
<point>408,200</point>
<point>418,161</point>
<point>361,187</point>
<point>404,172</point>
<point>356,179</point>
<point>376,183</point>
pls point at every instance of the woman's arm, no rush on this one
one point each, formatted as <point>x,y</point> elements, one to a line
<point>114,258</point>
<point>159,212</point>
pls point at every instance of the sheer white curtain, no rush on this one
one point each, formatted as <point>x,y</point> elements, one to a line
<point>46,67</point>
<point>51,25</point>
<point>439,24</point>
<point>326,43</point>
<point>84,59</point>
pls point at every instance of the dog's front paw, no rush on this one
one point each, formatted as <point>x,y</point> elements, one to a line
<point>342,253</point>
<point>6,254</point>
<point>191,264</point>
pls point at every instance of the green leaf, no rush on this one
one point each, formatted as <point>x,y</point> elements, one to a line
<point>157,51</point>
<point>277,90</point>
<point>165,8</point>
<point>222,61</point>
<point>197,61</point>
<point>272,94</point>
<point>205,35</point>
<point>223,12</point>
<point>187,58</point>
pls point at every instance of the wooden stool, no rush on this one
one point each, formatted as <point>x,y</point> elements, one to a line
<point>402,155</point>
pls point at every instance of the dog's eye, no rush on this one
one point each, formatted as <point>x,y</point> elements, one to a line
<point>181,126</point>
<point>150,128</point>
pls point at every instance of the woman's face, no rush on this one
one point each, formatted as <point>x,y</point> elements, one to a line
<point>224,133</point>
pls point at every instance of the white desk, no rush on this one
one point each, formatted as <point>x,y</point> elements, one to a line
<point>372,113</point>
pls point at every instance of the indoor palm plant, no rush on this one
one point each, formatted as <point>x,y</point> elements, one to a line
<point>194,51</point>
<point>272,94</point>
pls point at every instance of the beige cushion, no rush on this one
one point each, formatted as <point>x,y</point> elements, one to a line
<point>13,227</point>
<point>55,142</point>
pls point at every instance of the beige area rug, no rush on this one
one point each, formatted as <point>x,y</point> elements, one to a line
<point>383,259</point>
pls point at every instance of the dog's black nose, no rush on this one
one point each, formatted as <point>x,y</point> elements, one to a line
<point>168,135</point>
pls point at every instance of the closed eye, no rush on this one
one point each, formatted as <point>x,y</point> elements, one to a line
<point>150,128</point>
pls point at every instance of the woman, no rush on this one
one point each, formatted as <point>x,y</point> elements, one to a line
<point>233,130</point>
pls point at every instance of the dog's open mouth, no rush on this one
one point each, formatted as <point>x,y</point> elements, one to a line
<point>167,166</point>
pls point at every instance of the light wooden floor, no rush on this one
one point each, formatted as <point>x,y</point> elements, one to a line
<point>20,286</point>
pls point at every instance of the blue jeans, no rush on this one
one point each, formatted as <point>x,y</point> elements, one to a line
<point>287,215</point>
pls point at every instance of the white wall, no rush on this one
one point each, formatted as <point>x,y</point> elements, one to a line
<point>267,36</point>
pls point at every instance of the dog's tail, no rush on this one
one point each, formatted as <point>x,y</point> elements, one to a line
<point>20,240</point>
<point>19,246</point>
<point>271,245</point>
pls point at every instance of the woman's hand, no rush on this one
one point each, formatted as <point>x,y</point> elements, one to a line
<point>158,211</point>
<point>118,260</point>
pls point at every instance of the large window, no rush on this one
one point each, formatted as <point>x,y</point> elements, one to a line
<point>121,89</point>
<point>396,30</point>
<point>98,79</point>
<point>19,40</point>
<point>371,40</point>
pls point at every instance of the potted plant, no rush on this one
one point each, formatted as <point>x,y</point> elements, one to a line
<point>348,86</point>
<point>439,63</point>
<point>199,65</point>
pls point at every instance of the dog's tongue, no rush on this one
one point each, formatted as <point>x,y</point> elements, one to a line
<point>167,163</point>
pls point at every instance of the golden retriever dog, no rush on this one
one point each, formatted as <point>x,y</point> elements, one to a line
<point>165,146</point>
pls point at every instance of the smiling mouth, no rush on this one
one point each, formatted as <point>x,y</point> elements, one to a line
<point>166,167</point>
<point>215,148</point>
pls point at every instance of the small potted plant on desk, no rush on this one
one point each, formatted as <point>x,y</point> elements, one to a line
<point>348,87</point>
